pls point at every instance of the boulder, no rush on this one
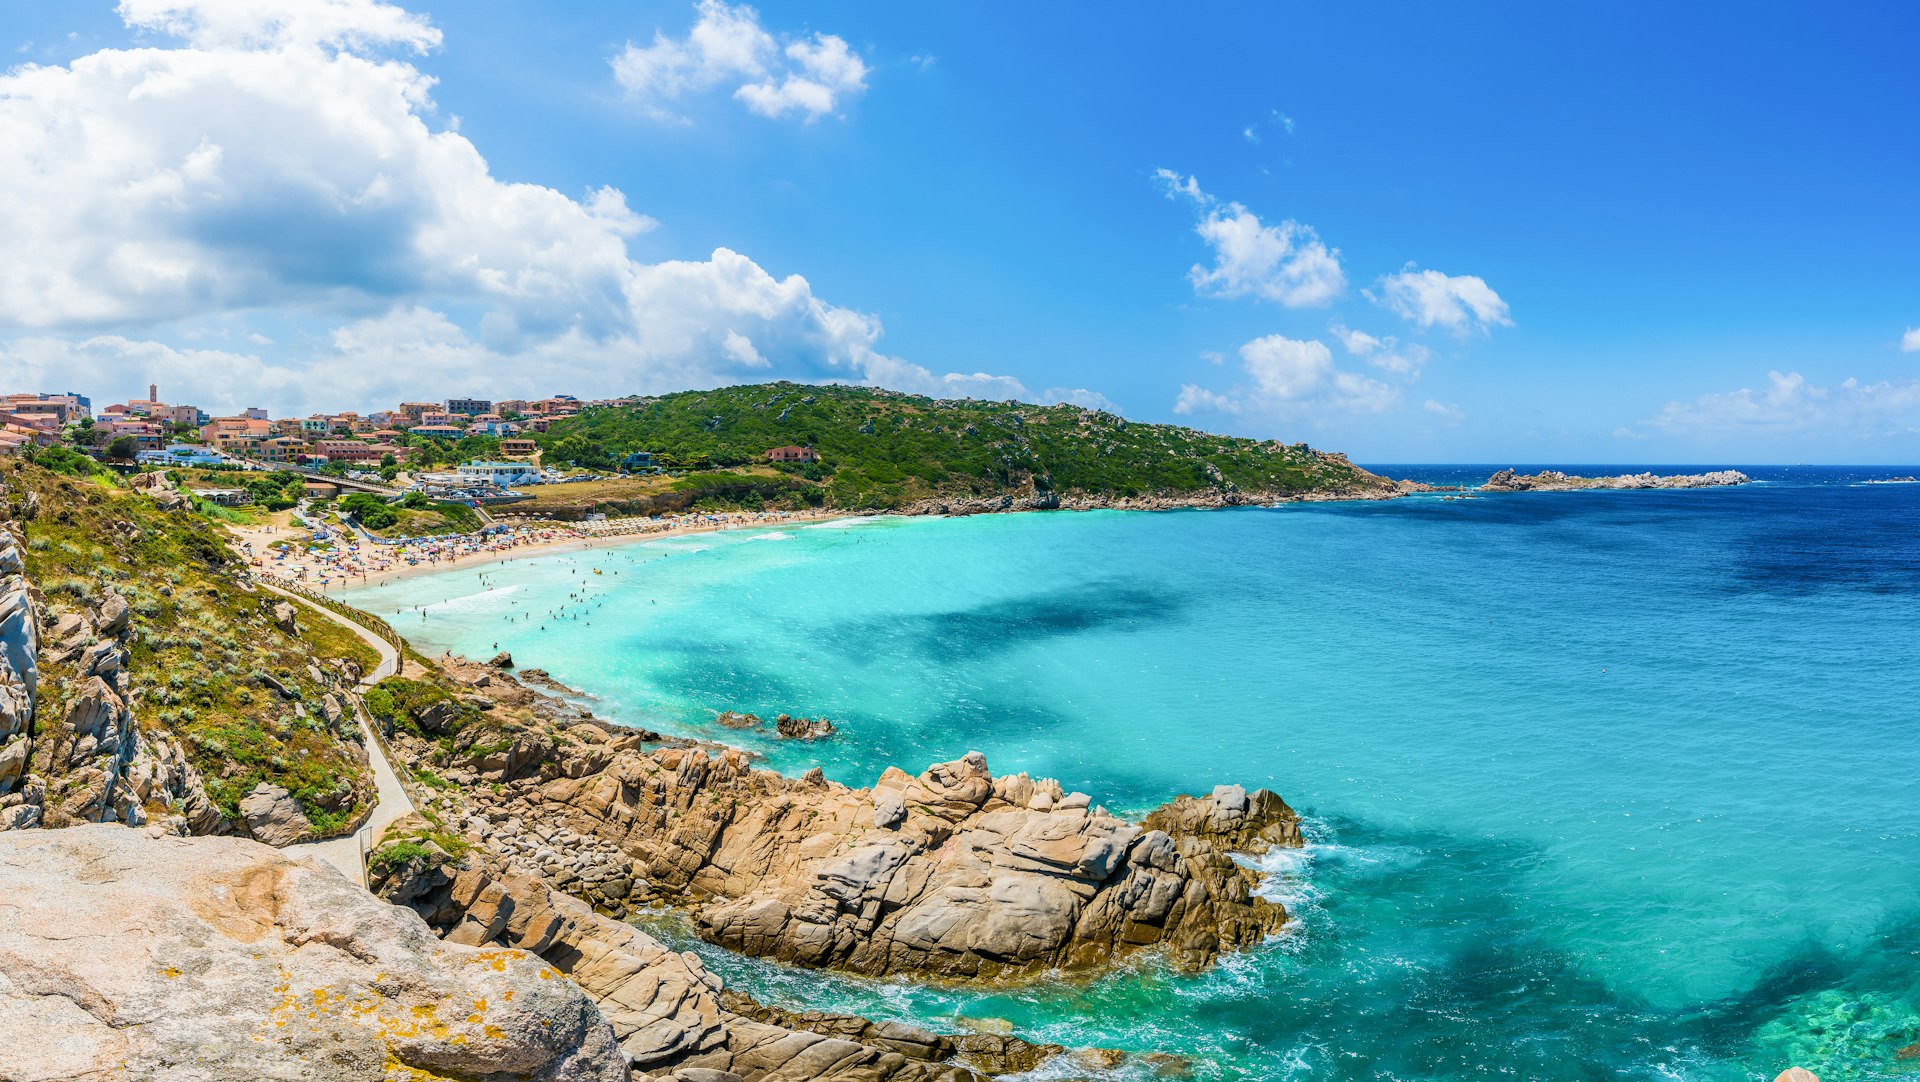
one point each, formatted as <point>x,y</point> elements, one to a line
<point>792,728</point>
<point>274,817</point>
<point>229,962</point>
<point>110,613</point>
<point>501,660</point>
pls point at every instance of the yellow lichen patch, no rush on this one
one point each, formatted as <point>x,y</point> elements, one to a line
<point>547,974</point>
<point>496,960</point>
<point>407,1072</point>
<point>494,1033</point>
<point>170,972</point>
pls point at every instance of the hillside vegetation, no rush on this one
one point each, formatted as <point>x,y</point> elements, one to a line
<point>883,449</point>
<point>247,697</point>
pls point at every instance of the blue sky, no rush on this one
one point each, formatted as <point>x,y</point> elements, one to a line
<point>1479,232</point>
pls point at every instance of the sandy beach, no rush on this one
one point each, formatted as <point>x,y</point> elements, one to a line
<point>353,561</point>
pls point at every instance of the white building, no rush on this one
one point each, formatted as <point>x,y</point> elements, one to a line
<point>503,474</point>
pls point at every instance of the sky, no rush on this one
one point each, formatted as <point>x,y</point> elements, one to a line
<point>1473,232</point>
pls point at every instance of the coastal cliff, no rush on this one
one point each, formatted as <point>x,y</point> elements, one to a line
<point>1555,481</point>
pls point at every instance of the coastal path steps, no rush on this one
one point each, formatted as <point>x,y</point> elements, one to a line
<point>348,853</point>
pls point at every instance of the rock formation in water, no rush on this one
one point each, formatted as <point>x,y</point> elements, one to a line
<point>1555,481</point>
<point>672,1016</point>
<point>951,874</point>
<point>125,954</point>
<point>792,728</point>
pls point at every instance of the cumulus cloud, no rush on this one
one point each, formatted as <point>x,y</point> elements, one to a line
<point>1195,399</point>
<point>1789,403</point>
<point>1284,263</point>
<point>275,162</point>
<point>1431,299</point>
<point>1910,342</point>
<point>728,47</point>
<point>1289,377</point>
<point>1382,351</point>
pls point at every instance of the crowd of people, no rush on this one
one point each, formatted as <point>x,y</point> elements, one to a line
<point>338,558</point>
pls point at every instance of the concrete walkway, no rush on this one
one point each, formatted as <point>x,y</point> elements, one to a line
<point>345,853</point>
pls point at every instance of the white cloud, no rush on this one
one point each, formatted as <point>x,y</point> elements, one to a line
<point>828,70</point>
<point>267,166</point>
<point>728,46</point>
<point>1384,351</point>
<point>1194,399</point>
<point>1910,342</point>
<point>1079,396</point>
<point>242,24</point>
<point>739,347</point>
<point>1446,411</point>
<point>1284,263</point>
<point>1432,299</point>
<point>1287,378</point>
<point>1789,403</point>
<point>1287,368</point>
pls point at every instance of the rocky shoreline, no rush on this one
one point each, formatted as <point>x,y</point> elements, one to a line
<point>915,874</point>
<point>1555,481</point>
<point>953,874</point>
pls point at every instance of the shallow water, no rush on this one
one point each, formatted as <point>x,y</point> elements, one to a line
<point>1603,785</point>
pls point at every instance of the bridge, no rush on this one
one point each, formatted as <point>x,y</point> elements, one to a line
<point>387,491</point>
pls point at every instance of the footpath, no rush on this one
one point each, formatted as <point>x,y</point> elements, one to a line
<point>348,853</point>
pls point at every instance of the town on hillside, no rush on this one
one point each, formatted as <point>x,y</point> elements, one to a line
<point>470,450</point>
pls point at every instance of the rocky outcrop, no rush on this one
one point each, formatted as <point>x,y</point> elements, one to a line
<point>90,762</point>
<point>1555,481</point>
<point>671,1015</point>
<point>19,691</point>
<point>124,955</point>
<point>960,506</point>
<point>791,728</point>
<point>162,491</point>
<point>274,817</point>
<point>953,874</point>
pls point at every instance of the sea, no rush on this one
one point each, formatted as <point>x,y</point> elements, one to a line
<point>1598,785</point>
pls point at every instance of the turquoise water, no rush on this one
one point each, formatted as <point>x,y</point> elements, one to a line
<point>1602,785</point>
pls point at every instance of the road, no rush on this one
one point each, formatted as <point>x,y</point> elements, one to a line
<point>393,801</point>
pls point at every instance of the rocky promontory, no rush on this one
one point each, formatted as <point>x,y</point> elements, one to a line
<point>1555,481</point>
<point>953,873</point>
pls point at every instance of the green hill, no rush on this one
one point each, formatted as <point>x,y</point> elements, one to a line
<point>883,449</point>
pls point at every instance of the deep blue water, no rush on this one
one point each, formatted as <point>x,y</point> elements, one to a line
<point>1603,785</point>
